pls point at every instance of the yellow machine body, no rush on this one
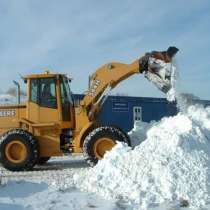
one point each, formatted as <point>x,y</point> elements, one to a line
<point>47,124</point>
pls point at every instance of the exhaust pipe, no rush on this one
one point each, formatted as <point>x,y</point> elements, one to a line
<point>18,90</point>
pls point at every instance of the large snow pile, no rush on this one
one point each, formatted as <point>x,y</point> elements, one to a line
<point>172,164</point>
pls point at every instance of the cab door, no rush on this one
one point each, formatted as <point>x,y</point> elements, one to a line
<point>43,105</point>
<point>48,101</point>
<point>67,108</point>
<point>33,103</point>
<point>44,110</point>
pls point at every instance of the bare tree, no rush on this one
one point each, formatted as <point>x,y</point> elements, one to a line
<point>190,96</point>
<point>13,92</point>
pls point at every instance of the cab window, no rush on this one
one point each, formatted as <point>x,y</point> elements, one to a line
<point>66,99</point>
<point>34,90</point>
<point>43,92</point>
<point>48,93</point>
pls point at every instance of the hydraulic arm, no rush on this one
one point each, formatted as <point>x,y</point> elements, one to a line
<point>156,66</point>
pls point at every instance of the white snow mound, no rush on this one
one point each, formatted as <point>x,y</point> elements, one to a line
<point>139,132</point>
<point>170,165</point>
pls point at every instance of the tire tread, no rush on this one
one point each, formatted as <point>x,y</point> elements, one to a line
<point>30,142</point>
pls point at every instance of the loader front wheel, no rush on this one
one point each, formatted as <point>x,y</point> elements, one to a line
<point>18,150</point>
<point>101,140</point>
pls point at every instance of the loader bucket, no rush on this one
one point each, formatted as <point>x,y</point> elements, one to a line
<point>161,71</point>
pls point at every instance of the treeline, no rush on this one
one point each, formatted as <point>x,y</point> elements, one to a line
<point>12,91</point>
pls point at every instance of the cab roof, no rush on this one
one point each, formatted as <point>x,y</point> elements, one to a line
<point>46,74</point>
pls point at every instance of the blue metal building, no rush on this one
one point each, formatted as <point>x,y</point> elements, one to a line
<point>123,111</point>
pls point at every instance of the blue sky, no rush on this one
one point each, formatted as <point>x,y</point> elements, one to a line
<point>77,37</point>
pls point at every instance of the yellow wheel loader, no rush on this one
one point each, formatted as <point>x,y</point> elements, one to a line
<point>49,124</point>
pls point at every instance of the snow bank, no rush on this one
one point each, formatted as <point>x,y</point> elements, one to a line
<point>139,132</point>
<point>172,164</point>
<point>7,99</point>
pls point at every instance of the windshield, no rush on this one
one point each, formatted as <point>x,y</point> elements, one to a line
<point>65,90</point>
<point>66,99</point>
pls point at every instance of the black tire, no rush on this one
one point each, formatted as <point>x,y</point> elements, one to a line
<point>31,150</point>
<point>42,160</point>
<point>112,133</point>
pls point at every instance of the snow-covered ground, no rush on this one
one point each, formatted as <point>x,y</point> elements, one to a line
<point>44,188</point>
<point>41,196</point>
<point>52,187</point>
<point>169,169</point>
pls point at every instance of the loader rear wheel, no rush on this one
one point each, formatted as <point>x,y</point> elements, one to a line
<point>18,150</point>
<point>101,140</point>
<point>42,160</point>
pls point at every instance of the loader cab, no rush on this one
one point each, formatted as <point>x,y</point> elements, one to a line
<point>50,100</point>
